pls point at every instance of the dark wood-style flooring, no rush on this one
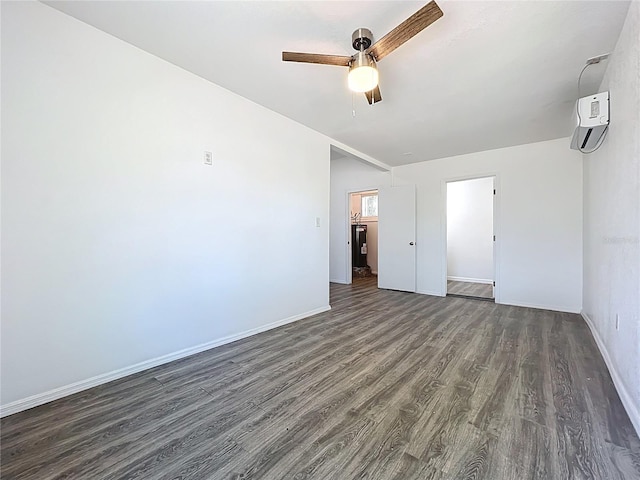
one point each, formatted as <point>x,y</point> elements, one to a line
<point>468,289</point>
<point>387,385</point>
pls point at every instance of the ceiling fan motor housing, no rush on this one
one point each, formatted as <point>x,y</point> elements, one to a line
<point>361,39</point>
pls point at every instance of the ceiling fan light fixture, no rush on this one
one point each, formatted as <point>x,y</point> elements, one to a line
<point>363,70</point>
<point>363,73</point>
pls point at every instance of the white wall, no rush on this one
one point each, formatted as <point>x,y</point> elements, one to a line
<point>470,230</point>
<point>538,221</point>
<point>118,245</point>
<point>347,175</point>
<point>372,231</point>
<point>612,222</point>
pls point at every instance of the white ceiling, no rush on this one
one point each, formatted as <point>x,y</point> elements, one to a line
<point>487,75</point>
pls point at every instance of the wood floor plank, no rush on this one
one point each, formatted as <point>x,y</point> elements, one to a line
<point>469,289</point>
<point>385,385</point>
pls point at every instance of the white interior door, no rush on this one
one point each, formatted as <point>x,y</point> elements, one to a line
<point>397,238</point>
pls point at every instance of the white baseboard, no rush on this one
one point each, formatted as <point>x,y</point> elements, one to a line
<point>554,308</point>
<point>632,410</point>
<point>485,281</point>
<point>342,281</point>
<point>56,393</point>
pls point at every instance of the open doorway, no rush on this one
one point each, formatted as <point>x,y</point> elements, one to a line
<point>470,238</point>
<point>363,237</point>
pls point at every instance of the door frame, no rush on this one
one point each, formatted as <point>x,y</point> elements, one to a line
<point>348,268</point>
<point>496,228</point>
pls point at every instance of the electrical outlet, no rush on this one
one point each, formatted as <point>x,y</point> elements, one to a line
<point>208,158</point>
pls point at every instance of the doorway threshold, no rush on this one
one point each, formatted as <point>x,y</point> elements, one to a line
<point>471,297</point>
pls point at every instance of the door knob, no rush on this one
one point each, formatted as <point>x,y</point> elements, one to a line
<point>411,243</point>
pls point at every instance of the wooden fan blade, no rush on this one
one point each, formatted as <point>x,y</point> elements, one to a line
<point>373,96</point>
<point>406,30</point>
<point>339,60</point>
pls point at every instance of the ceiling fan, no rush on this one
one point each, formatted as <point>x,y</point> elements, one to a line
<point>363,70</point>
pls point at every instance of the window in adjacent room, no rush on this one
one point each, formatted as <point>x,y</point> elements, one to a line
<point>369,206</point>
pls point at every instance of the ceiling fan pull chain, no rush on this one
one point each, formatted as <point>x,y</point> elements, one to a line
<point>353,105</point>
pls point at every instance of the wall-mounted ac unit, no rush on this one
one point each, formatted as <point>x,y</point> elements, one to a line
<point>592,119</point>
